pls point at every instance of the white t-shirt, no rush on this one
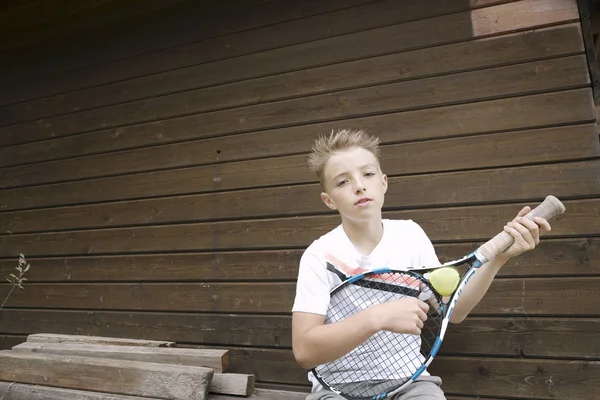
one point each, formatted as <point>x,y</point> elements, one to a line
<point>404,245</point>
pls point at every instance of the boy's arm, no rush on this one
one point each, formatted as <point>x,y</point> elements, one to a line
<point>526,234</point>
<point>316,343</point>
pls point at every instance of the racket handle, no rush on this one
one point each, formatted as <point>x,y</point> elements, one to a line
<point>549,208</point>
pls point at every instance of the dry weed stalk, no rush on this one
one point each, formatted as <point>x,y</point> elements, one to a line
<point>17,281</point>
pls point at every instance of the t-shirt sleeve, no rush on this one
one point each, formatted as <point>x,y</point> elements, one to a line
<point>312,288</point>
<point>428,255</point>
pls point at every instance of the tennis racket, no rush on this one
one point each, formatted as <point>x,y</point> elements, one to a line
<point>387,362</point>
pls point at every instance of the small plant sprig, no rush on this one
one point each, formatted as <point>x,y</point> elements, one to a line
<point>17,281</point>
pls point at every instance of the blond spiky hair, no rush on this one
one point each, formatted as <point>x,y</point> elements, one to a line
<point>340,140</point>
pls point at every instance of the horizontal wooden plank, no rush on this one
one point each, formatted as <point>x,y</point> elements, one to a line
<point>498,150</point>
<point>87,339</point>
<point>510,296</point>
<point>500,336</point>
<point>552,257</point>
<point>504,378</point>
<point>265,394</point>
<point>42,12</point>
<point>534,379</point>
<point>218,329</point>
<point>21,391</point>
<point>284,33</point>
<point>447,224</point>
<point>208,358</point>
<point>174,19</point>
<point>162,381</point>
<point>304,198</point>
<point>226,383</point>
<point>524,337</point>
<point>465,119</point>
<point>483,53</point>
<point>539,76</point>
<point>512,148</point>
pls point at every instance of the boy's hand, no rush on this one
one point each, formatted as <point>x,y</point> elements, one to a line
<point>525,232</point>
<point>401,316</point>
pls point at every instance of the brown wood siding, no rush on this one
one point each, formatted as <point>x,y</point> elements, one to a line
<point>158,185</point>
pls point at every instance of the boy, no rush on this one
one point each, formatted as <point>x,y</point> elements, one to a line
<point>347,165</point>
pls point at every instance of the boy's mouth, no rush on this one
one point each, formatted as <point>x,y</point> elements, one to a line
<point>363,201</point>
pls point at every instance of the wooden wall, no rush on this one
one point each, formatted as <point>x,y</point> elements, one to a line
<point>153,170</point>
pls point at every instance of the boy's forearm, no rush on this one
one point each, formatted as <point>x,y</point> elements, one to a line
<point>476,288</point>
<point>324,343</point>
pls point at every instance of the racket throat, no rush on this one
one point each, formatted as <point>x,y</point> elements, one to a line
<point>480,257</point>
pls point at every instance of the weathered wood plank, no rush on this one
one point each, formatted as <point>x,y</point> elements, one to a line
<point>538,379</point>
<point>525,337</point>
<point>265,394</point>
<point>293,170</point>
<point>105,375</point>
<point>501,149</point>
<point>20,391</point>
<point>510,296</point>
<point>483,53</point>
<point>218,329</point>
<point>447,224</point>
<point>317,26</point>
<point>208,358</point>
<point>503,378</point>
<point>129,350</point>
<point>515,336</point>
<point>85,339</point>
<point>226,383</point>
<point>479,117</point>
<point>552,257</point>
<point>534,77</point>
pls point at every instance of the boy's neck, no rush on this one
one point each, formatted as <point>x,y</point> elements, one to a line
<point>365,236</point>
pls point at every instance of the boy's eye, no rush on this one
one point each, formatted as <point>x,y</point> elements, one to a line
<point>369,173</point>
<point>341,183</point>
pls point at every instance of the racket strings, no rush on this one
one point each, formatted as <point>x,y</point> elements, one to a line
<point>386,360</point>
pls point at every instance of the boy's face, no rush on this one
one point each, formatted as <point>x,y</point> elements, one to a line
<point>354,184</point>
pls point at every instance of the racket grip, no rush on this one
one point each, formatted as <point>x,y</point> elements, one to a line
<point>548,209</point>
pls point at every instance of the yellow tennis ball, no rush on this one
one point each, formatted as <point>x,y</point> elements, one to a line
<point>444,280</point>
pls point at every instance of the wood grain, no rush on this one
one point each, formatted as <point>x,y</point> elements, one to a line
<point>512,148</point>
<point>506,336</point>
<point>89,340</point>
<point>120,107</point>
<point>280,34</point>
<point>447,121</point>
<point>105,375</point>
<point>510,296</point>
<point>445,224</point>
<point>20,391</point>
<point>552,257</point>
<point>208,358</point>
<point>539,76</point>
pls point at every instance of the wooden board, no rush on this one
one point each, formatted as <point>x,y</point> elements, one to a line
<point>446,121</point>
<point>226,383</point>
<point>20,391</point>
<point>506,336</point>
<point>552,257</point>
<point>85,339</point>
<point>441,224</point>
<point>120,107</point>
<point>317,26</point>
<point>502,149</point>
<point>283,171</point>
<point>113,376</point>
<point>538,76</point>
<point>511,296</point>
<point>128,350</point>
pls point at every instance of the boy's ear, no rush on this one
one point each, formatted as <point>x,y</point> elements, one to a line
<point>327,200</point>
<point>384,181</point>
